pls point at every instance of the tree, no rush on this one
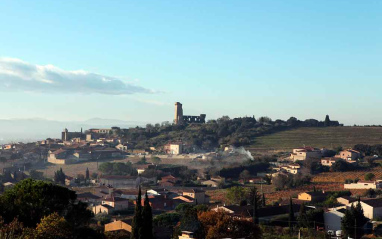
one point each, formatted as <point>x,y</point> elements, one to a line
<point>353,221</point>
<point>36,175</point>
<point>53,226</point>
<point>30,200</point>
<point>254,200</point>
<point>156,160</point>
<point>245,174</point>
<point>147,218</point>
<point>263,202</point>
<point>94,175</point>
<point>14,230</point>
<point>87,174</point>
<point>190,221</point>
<point>302,217</point>
<point>166,219</point>
<point>218,225</point>
<point>236,194</point>
<point>369,176</point>
<point>59,176</point>
<point>137,223</point>
<point>291,218</point>
<point>3,159</point>
<point>80,177</point>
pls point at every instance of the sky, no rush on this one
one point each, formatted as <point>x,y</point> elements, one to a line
<point>132,60</point>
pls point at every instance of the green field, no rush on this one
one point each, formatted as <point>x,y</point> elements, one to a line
<point>328,137</point>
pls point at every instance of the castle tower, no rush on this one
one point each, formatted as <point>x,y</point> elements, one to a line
<point>178,113</point>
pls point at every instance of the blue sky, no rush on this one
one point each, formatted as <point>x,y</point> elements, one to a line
<point>274,58</point>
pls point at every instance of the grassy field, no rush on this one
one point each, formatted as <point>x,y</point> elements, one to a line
<point>328,137</point>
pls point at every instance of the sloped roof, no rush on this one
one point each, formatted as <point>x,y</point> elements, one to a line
<point>376,202</point>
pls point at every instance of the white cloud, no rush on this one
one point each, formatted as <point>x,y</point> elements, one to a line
<point>18,75</point>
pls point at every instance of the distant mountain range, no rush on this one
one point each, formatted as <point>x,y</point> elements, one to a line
<point>29,130</point>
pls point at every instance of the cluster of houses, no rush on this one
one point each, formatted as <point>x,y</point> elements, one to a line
<point>304,153</point>
<point>372,209</point>
<point>109,200</point>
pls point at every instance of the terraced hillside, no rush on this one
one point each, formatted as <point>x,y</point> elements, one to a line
<point>319,137</point>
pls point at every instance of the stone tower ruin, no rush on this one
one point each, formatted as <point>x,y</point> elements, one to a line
<point>187,119</point>
<point>178,113</point>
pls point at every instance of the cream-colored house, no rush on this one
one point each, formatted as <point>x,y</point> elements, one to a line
<point>349,154</point>
<point>305,153</point>
<point>174,148</point>
<point>329,161</point>
<point>117,203</point>
<point>372,208</point>
<point>122,147</point>
<point>364,185</point>
<point>291,169</point>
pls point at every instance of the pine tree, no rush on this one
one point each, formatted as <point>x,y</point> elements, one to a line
<point>59,176</point>
<point>136,225</point>
<point>147,217</point>
<point>291,214</point>
<point>87,174</point>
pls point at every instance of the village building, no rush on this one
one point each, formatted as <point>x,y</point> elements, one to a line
<point>305,153</point>
<point>345,200</point>
<point>173,148</point>
<point>160,202</point>
<point>328,162</point>
<point>264,214</point>
<point>111,204</point>
<point>169,181</point>
<point>332,219</point>
<point>117,203</point>
<point>89,198</point>
<point>349,155</point>
<point>122,147</point>
<point>372,208</point>
<point>195,196</point>
<point>118,225</point>
<point>318,196</point>
<point>361,184</point>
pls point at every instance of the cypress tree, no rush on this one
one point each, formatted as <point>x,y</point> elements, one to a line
<point>263,201</point>
<point>302,217</point>
<point>147,217</point>
<point>136,225</point>
<point>254,200</point>
<point>291,214</point>
<point>87,174</point>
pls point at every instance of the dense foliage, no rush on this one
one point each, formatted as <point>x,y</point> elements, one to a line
<point>45,210</point>
<point>223,131</point>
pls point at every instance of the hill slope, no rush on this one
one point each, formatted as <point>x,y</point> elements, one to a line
<point>318,137</point>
